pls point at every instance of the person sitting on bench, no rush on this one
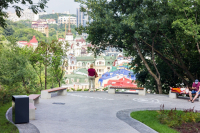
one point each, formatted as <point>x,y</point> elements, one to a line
<point>195,90</point>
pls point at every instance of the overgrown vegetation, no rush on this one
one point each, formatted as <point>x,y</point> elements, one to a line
<point>175,118</point>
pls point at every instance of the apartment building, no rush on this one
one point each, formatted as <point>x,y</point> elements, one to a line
<point>41,26</point>
<point>65,19</point>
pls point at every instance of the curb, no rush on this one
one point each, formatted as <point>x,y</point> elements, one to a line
<point>23,128</point>
<point>124,115</point>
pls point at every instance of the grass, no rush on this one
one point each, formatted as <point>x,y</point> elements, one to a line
<point>5,125</point>
<point>150,119</point>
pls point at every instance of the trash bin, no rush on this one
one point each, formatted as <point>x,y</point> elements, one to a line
<point>20,109</point>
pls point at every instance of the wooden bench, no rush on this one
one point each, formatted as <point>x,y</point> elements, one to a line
<point>32,109</point>
<point>46,94</point>
<point>174,94</point>
<point>34,98</point>
<point>142,91</point>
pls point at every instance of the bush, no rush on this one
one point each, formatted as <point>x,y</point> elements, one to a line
<point>174,118</point>
<point>106,88</point>
<point>6,93</point>
<point>86,89</point>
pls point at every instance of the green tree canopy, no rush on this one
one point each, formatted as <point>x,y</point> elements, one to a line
<point>148,30</point>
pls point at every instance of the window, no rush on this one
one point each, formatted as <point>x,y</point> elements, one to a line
<point>72,62</point>
<point>70,67</point>
<point>77,80</point>
<point>108,67</point>
<point>73,67</point>
<point>108,62</point>
<point>72,79</point>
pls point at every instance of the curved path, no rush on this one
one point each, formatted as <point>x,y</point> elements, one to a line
<point>99,112</point>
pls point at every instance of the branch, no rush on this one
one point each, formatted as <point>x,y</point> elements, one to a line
<point>153,53</point>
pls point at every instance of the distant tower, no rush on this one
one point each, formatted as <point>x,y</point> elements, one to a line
<point>53,12</point>
<point>69,35</point>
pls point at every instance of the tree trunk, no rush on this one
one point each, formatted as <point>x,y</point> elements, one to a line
<point>46,70</point>
<point>45,77</point>
<point>149,70</point>
<point>59,83</point>
<point>185,82</point>
<point>40,76</point>
<point>189,75</point>
<point>159,85</point>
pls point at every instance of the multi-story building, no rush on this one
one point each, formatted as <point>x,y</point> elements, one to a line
<point>41,26</point>
<point>65,20</point>
<point>27,14</point>
<point>81,18</point>
<point>51,21</point>
<point>32,43</point>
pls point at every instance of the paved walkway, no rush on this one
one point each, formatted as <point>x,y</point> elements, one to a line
<point>99,112</point>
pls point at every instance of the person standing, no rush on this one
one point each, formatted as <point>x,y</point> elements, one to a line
<point>91,77</point>
<point>195,90</point>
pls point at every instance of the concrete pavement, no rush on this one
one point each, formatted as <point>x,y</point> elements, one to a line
<point>99,112</point>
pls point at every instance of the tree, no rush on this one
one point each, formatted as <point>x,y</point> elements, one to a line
<point>143,28</point>
<point>52,55</point>
<point>35,7</point>
<point>15,68</point>
<point>58,62</point>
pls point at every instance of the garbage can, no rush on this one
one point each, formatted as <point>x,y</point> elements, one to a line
<point>20,109</point>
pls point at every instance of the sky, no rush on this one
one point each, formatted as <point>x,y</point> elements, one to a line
<point>59,6</point>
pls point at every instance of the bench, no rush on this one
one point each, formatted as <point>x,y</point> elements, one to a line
<point>34,98</point>
<point>32,109</point>
<point>174,94</point>
<point>142,91</point>
<point>46,94</point>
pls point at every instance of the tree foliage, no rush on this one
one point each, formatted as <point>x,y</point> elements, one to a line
<point>161,35</point>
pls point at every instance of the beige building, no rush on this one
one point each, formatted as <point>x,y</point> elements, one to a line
<point>41,26</point>
<point>65,19</point>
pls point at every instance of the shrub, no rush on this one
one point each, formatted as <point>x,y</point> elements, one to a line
<point>106,88</point>
<point>174,117</point>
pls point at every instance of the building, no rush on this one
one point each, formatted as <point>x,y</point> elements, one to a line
<point>41,26</point>
<point>65,20</point>
<point>81,18</point>
<point>116,75</point>
<point>122,82</point>
<point>32,43</point>
<point>51,21</point>
<point>27,14</point>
